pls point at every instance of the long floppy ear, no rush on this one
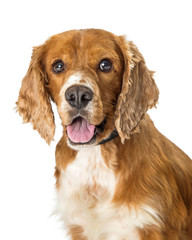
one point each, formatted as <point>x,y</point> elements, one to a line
<point>33,102</point>
<point>139,91</point>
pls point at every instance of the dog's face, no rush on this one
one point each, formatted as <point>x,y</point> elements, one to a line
<point>98,81</point>
<point>85,72</point>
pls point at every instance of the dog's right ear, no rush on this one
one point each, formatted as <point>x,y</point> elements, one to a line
<point>139,91</point>
<point>33,103</point>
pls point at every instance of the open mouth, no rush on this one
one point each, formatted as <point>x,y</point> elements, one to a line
<point>80,131</point>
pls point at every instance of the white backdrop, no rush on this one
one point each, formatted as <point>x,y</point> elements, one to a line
<point>161,30</point>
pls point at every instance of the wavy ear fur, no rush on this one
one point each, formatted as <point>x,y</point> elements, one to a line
<point>33,102</point>
<point>139,91</point>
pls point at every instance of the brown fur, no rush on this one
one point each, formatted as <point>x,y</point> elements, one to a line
<point>151,169</point>
<point>77,233</point>
<point>33,102</point>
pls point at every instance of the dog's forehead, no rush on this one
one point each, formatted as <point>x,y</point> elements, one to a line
<point>80,42</point>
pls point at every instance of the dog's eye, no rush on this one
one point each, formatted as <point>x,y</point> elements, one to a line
<point>105,65</point>
<point>58,66</point>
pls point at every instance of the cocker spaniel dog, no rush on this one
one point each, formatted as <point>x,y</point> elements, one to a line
<point>117,177</point>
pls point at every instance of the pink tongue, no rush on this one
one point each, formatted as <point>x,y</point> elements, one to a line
<point>80,131</point>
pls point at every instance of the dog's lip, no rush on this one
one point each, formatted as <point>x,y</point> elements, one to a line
<point>97,130</point>
<point>101,125</point>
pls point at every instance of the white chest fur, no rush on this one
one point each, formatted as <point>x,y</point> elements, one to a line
<point>85,197</point>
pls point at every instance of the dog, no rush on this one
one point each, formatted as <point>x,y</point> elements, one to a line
<point>117,176</point>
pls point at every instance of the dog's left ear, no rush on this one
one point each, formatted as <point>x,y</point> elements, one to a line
<point>33,103</point>
<point>139,91</point>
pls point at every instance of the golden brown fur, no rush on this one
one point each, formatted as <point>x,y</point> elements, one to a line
<point>150,168</point>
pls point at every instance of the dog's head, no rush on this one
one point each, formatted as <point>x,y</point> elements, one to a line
<point>98,81</point>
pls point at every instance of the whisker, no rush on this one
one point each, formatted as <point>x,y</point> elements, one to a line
<point>103,108</point>
<point>106,115</point>
<point>107,102</point>
<point>110,103</point>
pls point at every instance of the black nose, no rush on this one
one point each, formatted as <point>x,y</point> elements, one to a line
<point>78,96</point>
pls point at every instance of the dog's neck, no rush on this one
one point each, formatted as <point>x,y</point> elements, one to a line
<point>113,135</point>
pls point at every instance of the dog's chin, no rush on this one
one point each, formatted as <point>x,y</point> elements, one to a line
<point>82,134</point>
